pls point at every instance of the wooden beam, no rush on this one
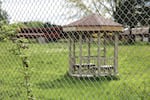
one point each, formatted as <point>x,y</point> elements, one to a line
<point>74,51</point>
<point>89,47</point>
<point>70,57</point>
<point>104,48</point>
<point>98,51</point>
<point>67,29</point>
<point>93,28</point>
<point>116,52</point>
<point>80,54</point>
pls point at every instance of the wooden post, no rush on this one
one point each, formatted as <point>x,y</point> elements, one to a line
<point>70,56</point>
<point>149,34</point>
<point>116,52</point>
<point>104,48</point>
<point>80,54</point>
<point>74,51</point>
<point>98,51</point>
<point>89,47</point>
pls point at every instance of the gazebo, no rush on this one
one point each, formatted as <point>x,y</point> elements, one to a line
<point>90,54</point>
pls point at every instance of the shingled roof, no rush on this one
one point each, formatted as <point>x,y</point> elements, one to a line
<point>93,22</point>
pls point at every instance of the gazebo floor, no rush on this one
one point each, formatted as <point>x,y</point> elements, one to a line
<point>91,75</point>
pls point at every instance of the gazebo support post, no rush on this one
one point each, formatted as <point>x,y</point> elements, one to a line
<point>104,48</point>
<point>98,51</point>
<point>116,52</point>
<point>70,58</point>
<point>80,54</point>
<point>89,47</point>
<point>74,51</point>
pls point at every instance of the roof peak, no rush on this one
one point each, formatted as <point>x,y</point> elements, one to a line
<point>94,20</point>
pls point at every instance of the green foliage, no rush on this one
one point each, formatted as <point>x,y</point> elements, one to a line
<point>33,24</point>
<point>125,13</point>
<point>21,46</point>
<point>94,6</point>
<point>131,12</point>
<point>3,21</point>
<point>3,16</point>
<point>47,25</point>
<point>144,14</point>
<point>38,24</point>
<point>8,31</point>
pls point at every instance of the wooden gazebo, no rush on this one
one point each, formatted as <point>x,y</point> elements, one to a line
<point>87,55</point>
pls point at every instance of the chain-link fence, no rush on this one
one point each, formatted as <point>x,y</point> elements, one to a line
<point>74,49</point>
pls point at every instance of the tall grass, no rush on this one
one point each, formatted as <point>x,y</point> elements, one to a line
<point>50,80</point>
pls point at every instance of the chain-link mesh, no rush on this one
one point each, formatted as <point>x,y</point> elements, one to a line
<point>74,49</point>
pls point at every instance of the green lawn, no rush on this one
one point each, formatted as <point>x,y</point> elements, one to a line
<point>49,64</point>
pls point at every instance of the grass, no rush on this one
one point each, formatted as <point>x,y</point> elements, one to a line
<point>49,64</point>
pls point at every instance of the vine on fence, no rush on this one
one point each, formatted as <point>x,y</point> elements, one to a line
<point>21,47</point>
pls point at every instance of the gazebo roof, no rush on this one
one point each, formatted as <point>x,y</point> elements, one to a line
<point>93,22</point>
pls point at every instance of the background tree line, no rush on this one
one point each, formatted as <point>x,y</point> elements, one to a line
<point>8,30</point>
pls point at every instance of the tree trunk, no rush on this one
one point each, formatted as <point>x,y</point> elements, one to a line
<point>131,38</point>
<point>149,35</point>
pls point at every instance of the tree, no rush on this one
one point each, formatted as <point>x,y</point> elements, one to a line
<point>8,31</point>
<point>102,7</point>
<point>38,24</point>
<point>3,16</point>
<point>143,13</point>
<point>132,13</point>
<point>126,14</point>
<point>33,24</point>
<point>48,25</point>
<point>3,21</point>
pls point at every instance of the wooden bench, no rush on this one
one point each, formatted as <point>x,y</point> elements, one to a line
<point>92,68</point>
<point>86,66</point>
<point>107,68</point>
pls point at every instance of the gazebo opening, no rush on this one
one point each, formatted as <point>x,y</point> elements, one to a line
<point>93,46</point>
